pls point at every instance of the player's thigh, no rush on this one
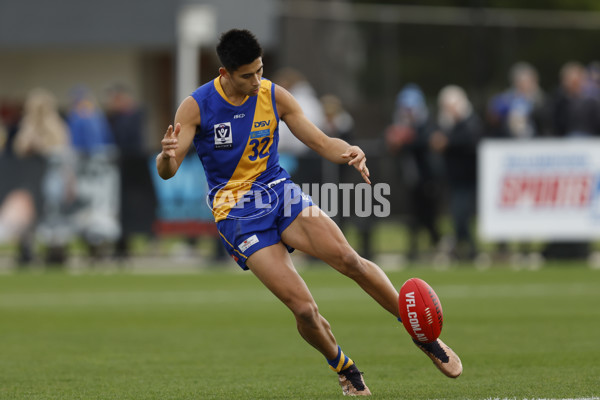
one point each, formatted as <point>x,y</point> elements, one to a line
<point>273,266</point>
<point>314,233</point>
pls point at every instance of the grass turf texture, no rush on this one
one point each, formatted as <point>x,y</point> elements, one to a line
<point>222,335</point>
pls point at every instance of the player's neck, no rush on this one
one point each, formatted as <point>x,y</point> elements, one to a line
<point>233,96</point>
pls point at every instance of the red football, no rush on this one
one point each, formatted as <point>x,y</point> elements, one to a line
<point>420,310</point>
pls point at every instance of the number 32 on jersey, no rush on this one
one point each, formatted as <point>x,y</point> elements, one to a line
<point>259,144</point>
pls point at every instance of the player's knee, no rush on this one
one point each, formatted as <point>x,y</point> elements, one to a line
<point>306,313</point>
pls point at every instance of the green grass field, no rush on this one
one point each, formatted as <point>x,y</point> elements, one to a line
<point>218,334</point>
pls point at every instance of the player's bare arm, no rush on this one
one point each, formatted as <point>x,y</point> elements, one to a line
<point>178,139</point>
<point>332,149</point>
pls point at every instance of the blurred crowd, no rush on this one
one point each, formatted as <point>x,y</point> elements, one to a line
<point>72,173</point>
<point>83,172</point>
<point>437,145</point>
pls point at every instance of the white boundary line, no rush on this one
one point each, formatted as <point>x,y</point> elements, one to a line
<point>535,398</point>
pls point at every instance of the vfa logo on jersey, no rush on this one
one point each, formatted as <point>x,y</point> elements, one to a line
<point>223,136</point>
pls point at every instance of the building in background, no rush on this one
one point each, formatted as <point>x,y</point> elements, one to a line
<point>58,45</point>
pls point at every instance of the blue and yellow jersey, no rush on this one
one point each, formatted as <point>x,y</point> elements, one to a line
<point>237,146</point>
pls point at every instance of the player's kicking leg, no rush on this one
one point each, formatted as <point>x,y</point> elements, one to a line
<point>314,233</point>
<point>273,267</point>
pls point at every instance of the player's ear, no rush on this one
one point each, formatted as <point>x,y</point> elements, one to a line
<point>223,72</point>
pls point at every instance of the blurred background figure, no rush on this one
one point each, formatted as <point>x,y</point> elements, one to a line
<point>81,187</point>
<point>10,117</point>
<point>89,127</point>
<point>408,138</point>
<point>41,135</point>
<point>338,122</point>
<point>574,113</point>
<point>42,131</point>
<point>593,85</point>
<point>137,201</point>
<point>575,110</point>
<point>126,121</point>
<point>295,157</point>
<point>17,219</point>
<point>455,138</point>
<point>518,112</point>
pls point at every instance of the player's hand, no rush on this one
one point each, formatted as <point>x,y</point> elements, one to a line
<point>170,141</point>
<point>358,160</point>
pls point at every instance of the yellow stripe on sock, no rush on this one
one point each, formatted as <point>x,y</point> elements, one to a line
<point>348,364</point>
<point>343,363</point>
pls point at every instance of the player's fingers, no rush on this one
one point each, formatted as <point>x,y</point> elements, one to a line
<point>167,140</point>
<point>177,129</point>
<point>169,144</point>
<point>363,163</point>
<point>351,152</point>
<point>364,172</point>
<point>169,131</point>
<point>355,158</point>
<point>358,159</point>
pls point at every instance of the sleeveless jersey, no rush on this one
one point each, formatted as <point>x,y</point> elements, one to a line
<point>237,146</point>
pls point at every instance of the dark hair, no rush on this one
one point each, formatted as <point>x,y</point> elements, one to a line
<point>238,47</point>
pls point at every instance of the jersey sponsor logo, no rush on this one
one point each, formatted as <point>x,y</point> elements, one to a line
<point>252,240</point>
<point>262,124</point>
<point>223,136</point>
<point>260,134</point>
<point>236,116</point>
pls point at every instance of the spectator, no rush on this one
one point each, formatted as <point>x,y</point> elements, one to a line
<point>575,110</point>
<point>518,111</point>
<point>94,203</point>
<point>338,122</point>
<point>593,84</point>
<point>17,215</point>
<point>408,137</point>
<point>455,137</point>
<point>295,157</point>
<point>43,131</point>
<point>10,115</point>
<point>89,128</point>
<point>42,134</point>
<point>126,120</point>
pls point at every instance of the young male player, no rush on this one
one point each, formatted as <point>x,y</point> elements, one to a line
<point>261,216</point>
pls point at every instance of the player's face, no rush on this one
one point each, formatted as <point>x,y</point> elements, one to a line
<point>246,79</point>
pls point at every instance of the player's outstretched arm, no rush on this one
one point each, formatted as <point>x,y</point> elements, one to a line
<point>332,149</point>
<point>177,140</point>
